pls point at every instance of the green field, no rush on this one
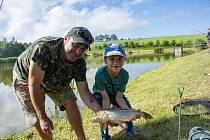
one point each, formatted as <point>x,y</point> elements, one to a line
<point>145,40</point>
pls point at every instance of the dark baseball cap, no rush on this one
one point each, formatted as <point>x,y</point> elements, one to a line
<point>81,35</point>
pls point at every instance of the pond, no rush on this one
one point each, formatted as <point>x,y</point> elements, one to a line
<point>11,118</point>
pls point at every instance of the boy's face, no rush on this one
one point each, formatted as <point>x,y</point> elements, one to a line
<point>114,63</point>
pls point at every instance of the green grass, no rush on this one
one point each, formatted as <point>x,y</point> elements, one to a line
<point>154,92</point>
<point>177,38</point>
<point>162,38</point>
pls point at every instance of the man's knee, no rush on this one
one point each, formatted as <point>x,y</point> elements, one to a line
<point>70,104</point>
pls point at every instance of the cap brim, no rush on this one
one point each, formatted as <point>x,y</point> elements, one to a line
<point>77,39</point>
<point>112,53</point>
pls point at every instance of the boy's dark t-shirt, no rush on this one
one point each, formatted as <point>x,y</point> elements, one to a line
<point>103,81</point>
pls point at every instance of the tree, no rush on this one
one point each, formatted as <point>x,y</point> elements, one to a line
<point>99,38</point>
<point>200,43</point>
<point>157,43</point>
<point>106,37</point>
<point>131,44</point>
<point>126,45</point>
<point>189,43</point>
<point>11,48</point>
<point>165,43</point>
<point>136,44</point>
<point>114,37</point>
<point>173,43</point>
<point>150,44</point>
<point>180,43</point>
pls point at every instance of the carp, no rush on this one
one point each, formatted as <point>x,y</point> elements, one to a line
<point>118,116</point>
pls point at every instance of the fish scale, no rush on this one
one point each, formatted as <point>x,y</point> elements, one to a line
<point>118,116</point>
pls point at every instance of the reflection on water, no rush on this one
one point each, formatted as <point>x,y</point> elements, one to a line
<point>97,61</point>
<point>11,119</point>
<point>6,73</point>
<point>11,112</point>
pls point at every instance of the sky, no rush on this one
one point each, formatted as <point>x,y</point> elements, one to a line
<point>31,19</point>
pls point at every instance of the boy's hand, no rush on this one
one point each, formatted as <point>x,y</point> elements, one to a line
<point>105,100</point>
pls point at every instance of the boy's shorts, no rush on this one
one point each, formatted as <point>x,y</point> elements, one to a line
<point>22,93</point>
<point>112,99</point>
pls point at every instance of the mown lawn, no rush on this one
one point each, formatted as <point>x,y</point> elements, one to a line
<point>154,92</point>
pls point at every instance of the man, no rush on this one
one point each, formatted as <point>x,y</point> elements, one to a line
<point>208,37</point>
<point>47,67</point>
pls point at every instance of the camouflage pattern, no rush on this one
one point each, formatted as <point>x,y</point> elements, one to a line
<point>23,96</point>
<point>46,53</point>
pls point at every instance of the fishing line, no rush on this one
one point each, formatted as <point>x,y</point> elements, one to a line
<point>194,30</point>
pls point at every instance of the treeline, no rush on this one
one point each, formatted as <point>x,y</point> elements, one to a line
<point>106,37</point>
<point>11,48</point>
<point>158,43</point>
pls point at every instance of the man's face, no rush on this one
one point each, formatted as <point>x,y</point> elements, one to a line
<point>114,63</point>
<point>73,51</point>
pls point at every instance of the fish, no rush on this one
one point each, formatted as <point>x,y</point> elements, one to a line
<point>118,116</point>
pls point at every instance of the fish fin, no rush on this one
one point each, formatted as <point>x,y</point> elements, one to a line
<point>146,115</point>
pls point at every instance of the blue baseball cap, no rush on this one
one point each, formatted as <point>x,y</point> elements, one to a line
<point>115,49</point>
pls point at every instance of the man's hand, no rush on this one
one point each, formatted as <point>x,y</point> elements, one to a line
<point>110,123</point>
<point>46,125</point>
<point>87,96</point>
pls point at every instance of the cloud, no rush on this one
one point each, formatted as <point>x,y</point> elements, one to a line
<point>33,19</point>
<point>134,2</point>
<point>106,19</point>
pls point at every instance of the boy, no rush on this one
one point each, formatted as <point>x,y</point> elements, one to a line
<point>110,84</point>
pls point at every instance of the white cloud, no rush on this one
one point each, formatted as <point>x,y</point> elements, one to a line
<point>134,2</point>
<point>111,20</point>
<point>31,19</point>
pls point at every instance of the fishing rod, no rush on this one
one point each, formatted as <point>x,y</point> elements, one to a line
<point>1,4</point>
<point>180,99</point>
<point>194,30</point>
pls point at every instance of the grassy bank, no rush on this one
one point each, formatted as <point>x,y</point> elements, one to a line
<point>8,60</point>
<point>154,92</point>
